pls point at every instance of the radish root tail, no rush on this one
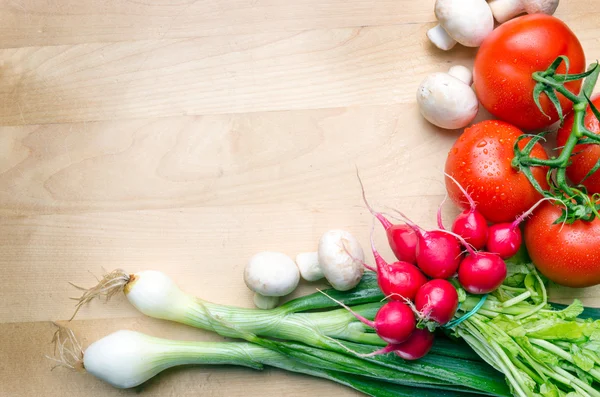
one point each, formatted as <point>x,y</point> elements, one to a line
<point>110,285</point>
<point>68,352</point>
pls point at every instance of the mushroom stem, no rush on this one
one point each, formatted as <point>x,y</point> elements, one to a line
<point>462,73</point>
<point>440,38</point>
<point>265,302</point>
<point>503,10</point>
<point>308,264</point>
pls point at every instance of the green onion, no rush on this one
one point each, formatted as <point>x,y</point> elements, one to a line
<point>155,295</point>
<point>126,359</point>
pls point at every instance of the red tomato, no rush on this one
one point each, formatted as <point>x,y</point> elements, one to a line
<point>508,57</point>
<point>480,161</point>
<point>567,254</point>
<point>585,156</point>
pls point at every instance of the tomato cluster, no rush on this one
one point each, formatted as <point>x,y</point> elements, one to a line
<point>483,158</point>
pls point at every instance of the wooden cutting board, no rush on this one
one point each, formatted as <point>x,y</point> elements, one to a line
<point>184,136</point>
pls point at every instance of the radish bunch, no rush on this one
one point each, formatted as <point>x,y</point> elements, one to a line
<point>421,297</point>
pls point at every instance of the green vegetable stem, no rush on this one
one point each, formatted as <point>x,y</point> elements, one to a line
<point>577,203</point>
<point>542,351</point>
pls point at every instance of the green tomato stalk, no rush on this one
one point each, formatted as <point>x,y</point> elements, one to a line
<point>578,204</point>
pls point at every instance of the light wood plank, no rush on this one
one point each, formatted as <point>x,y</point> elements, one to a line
<point>303,157</point>
<point>26,23</point>
<point>228,74</point>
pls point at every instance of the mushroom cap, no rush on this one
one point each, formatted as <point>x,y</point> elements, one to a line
<point>308,264</point>
<point>446,101</point>
<point>540,6</point>
<point>271,274</point>
<point>341,258</point>
<point>467,21</point>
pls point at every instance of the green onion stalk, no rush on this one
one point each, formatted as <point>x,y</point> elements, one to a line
<point>311,330</point>
<point>126,359</point>
<point>576,202</point>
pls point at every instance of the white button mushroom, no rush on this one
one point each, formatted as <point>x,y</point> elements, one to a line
<point>504,10</point>
<point>339,259</point>
<point>468,22</point>
<point>308,264</point>
<point>447,99</point>
<point>270,275</point>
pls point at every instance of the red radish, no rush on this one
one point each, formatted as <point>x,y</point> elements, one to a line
<point>438,251</point>
<point>415,347</point>
<point>394,321</point>
<point>437,300</point>
<point>438,254</point>
<point>505,239</point>
<point>398,280</point>
<point>481,273</point>
<point>402,239</point>
<point>470,224</point>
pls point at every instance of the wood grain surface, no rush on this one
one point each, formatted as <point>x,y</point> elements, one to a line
<point>184,136</point>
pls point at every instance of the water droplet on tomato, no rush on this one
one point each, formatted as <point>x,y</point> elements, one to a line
<point>485,151</point>
<point>482,143</point>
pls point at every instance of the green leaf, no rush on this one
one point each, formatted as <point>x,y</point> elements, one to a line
<point>595,336</point>
<point>593,107</point>
<point>540,355</point>
<point>549,389</point>
<point>572,311</point>
<point>592,170</point>
<point>556,63</point>
<point>592,346</point>
<point>527,380</point>
<point>564,78</point>
<point>595,357</point>
<point>580,359</point>
<point>556,102</point>
<point>537,93</point>
<point>511,327</point>
<point>532,286</point>
<point>589,83</point>
<point>553,329</point>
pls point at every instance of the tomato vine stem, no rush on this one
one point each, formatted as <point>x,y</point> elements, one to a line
<point>577,203</point>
